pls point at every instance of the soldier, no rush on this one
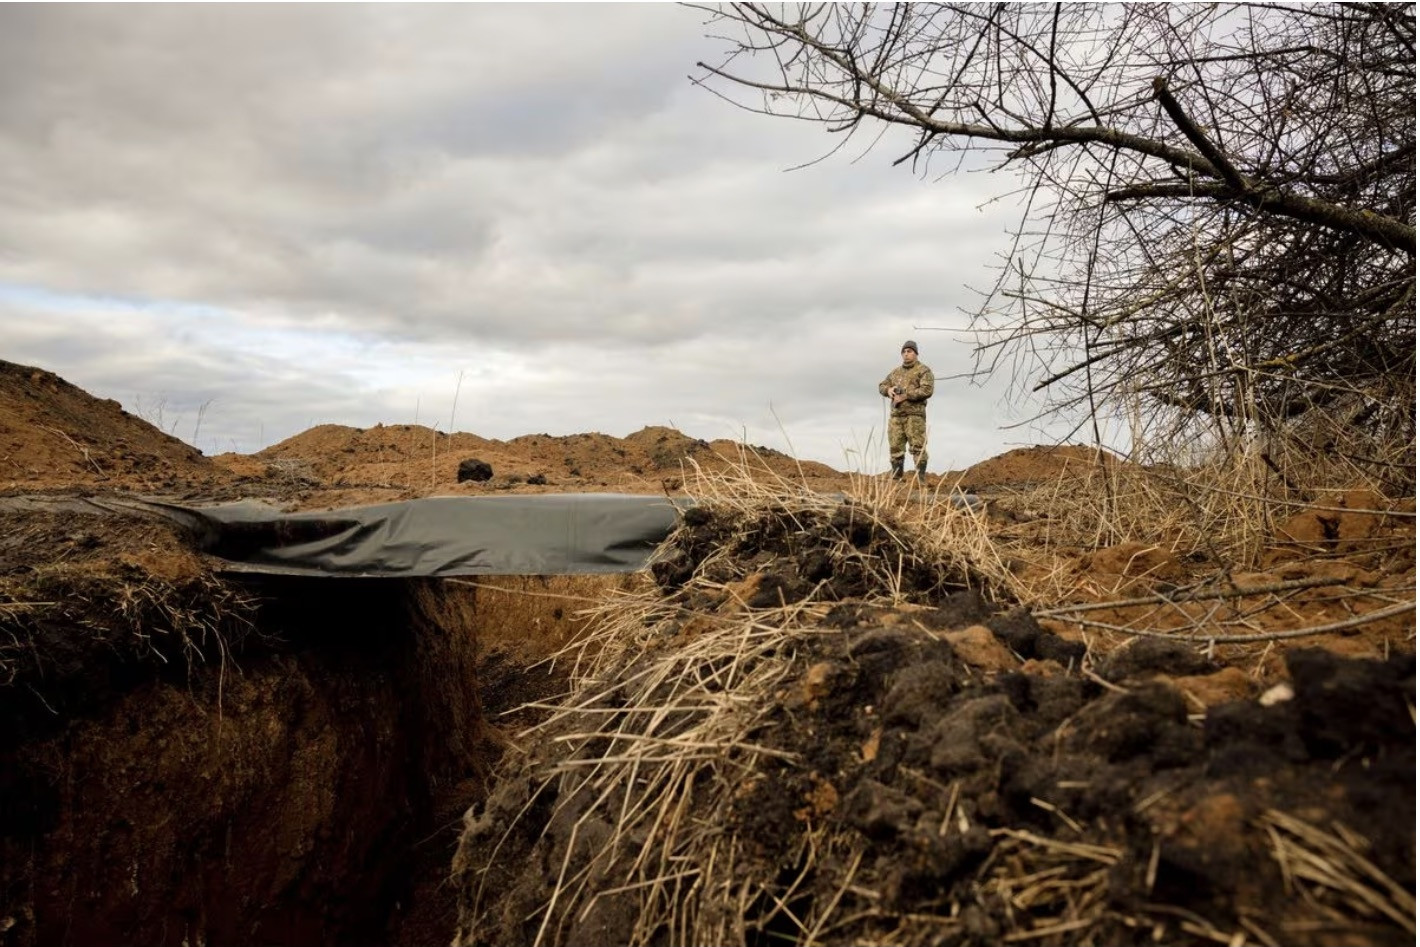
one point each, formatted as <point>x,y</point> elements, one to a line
<point>909,386</point>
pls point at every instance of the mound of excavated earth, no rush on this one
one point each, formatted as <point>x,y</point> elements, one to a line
<point>53,434</point>
<point>905,797</point>
<point>776,751</point>
<point>1036,464</point>
<point>336,464</point>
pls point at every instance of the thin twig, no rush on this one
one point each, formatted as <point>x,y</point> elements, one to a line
<point>1203,637</point>
<point>1200,596</point>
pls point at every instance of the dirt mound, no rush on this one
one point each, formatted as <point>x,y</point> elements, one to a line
<point>890,795</point>
<point>806,736</point>
<point>53,434</point>
<point>332,464</point>
<point>665,447</point>
<point>1036,464</point>
<point>828,724</point>
<point>826,551</point>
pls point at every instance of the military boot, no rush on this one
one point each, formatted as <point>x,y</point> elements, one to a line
<point>897,468</point>
<point>922,470</point>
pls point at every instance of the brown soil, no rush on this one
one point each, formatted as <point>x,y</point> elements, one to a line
<point>194,759</point>
<point>53,434</point>
<point>332,465</point>
<point>189,758</point>
<point>1037,464</point>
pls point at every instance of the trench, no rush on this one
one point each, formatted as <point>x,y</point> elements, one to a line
<point>306,786</point>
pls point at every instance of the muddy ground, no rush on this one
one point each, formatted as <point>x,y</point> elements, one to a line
<point>196,758</point>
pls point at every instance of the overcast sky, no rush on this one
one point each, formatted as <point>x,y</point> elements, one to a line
<point>297,215</point>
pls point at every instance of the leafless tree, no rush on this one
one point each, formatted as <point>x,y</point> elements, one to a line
<point>1221,198</point>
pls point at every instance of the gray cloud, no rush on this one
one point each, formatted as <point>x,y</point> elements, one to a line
<point>325,213</point>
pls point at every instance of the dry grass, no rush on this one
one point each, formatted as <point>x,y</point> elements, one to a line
<point>923,525</point>
<point>1330,873</point>
<point>56,613</point>
<point>1049,890</point>
<point>1212,509</point>
<point>1222,513</point>
<point>636,747</point>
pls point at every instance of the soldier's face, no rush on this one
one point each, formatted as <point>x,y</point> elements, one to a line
<point>908,356</point>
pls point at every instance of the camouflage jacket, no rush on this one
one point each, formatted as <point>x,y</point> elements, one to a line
<point>917,381</point>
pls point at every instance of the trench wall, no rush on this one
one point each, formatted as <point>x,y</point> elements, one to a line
<point>307,789</point>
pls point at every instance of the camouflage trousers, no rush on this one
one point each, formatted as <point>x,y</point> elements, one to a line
<point>907,432</point>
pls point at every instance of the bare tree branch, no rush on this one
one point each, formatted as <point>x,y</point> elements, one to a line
<point>1222,197</point>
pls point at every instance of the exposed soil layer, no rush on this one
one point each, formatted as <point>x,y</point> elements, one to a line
<point>192,759</point>
<point>265,790</point>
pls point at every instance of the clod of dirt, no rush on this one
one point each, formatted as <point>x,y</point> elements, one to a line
<point>1135,560</point>
<point>1364,701</point>
<point>956,611</point>
<point>1220,687</point>
<point>1147,720</point>
<point>1019,631</point>
<point>1144,656</point>
<point>978,647</point>
<point>474,470</point>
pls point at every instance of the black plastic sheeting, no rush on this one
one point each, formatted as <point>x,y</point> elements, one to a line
<point>548,534</point>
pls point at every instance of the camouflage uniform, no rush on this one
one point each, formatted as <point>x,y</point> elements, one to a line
<point>907,425</point>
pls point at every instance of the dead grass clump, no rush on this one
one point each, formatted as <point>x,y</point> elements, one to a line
<point>647,766</point>
<point>1331,873</point>
<point>141,615</point>
<point>99,602</point>
<point>877,541</point>
<point>1227,511</point>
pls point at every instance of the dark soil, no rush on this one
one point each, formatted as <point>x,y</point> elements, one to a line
<point>954,788</point>
<point>936,799</point>
<point>840,555</point>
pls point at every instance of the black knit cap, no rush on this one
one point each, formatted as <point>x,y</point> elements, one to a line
<point>909,344</point>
